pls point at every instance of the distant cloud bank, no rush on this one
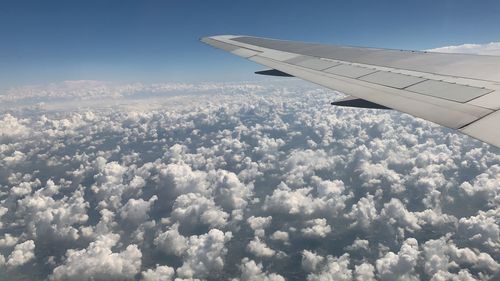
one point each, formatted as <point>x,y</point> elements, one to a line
<point>492,48</point>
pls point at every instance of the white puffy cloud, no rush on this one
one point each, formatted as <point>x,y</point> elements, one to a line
<point>230,192</point>
<point>259,248</point>
<point>302,164</point>
<point>359,245</point>
<point>300,201</point>
<point>485,187</point>
<point>397,214</point>
<point>442,256</point>
<point>280,235</point>
<point>400,266</point>
<point>364,212</point>
<point>335,268</point>
<point>3,211</point>
<point>136,210</point>
<point>8,240</point>
<point>364,272</point>
<point>53,218</point>
<point>194,209</point>
<point>22,253</point>
<point>316,228</point>
<point>109,185</point>
<point>160,273</point>
<point>462,275</point>
<point>171,241</point>
<point>251,271</point>
<point>259,224</point>
<point>12,127</point>
<point>24,188</point>
<point>184,180</point>
<point>288,201</point>
<point>482,229</point>
<point>377,175</point>
<point>17,157</point>
<point>99,262</point>
<point>311,260</point>
<point>205,254</point>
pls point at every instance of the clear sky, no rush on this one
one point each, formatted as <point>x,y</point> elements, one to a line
<point>157,41</point>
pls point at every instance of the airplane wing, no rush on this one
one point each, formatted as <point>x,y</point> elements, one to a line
<point>459,91</point>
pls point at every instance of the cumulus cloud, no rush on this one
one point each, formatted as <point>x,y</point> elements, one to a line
<point>205,254</point>
<point>8,240</point>
<point>359,245</point>
<point>171,241</point>
<point>482,229</point>
<point>259,248</point>
<point>280,235</point>
<point>400,266</point>
<point>442,256</point>
<point>194,209</point>
<point>136,210</point>
<point>49,218</point>
<point>237,181</point>
<point>311,260</point>
<point>251,271</point>
<point>364,272</point>
<point>22,253</point>
<point>335,268</point>
<point>231,193</point>
<point>160,273</point>
<point>364,212</point>
<point>259,224</point>
<point>396,214</point>
<point>302,202</point>
<point>99,262</point>
<point>316,228</point>
<point>12,127</point>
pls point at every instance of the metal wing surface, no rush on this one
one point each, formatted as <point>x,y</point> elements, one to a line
<point>459,91</point>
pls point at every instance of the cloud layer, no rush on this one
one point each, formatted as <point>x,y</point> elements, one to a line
<point>238,182</point>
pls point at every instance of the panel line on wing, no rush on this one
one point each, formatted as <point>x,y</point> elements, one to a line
<point>477,119</point>
<point>349,71</point>
<point>391,79</point>
<point>449,91</point>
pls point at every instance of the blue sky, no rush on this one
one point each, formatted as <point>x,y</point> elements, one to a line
<point>157,41</point>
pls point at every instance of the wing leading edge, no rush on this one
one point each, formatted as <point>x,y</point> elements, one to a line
<point>458,91</point>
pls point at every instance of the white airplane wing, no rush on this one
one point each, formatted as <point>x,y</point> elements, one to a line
<point>459,91</point>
